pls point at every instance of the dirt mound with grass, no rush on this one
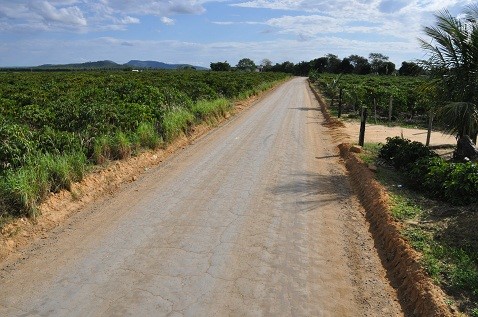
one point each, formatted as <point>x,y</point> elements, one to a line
<point>417,293</point>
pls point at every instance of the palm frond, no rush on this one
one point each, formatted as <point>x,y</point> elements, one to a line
<point>460,118</point>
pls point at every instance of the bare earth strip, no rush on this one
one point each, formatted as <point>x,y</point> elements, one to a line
<point>256,218</point>
<point>378,133</point>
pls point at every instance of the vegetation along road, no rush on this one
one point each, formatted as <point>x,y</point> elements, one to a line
<point>255,218</point>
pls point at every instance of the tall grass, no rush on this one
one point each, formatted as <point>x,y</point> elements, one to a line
<point>24,188</point>
<point>175,122</point>
<point>102,149</point>
<point>121,146</point>
<point>147,137</point>
<point>206,109</point>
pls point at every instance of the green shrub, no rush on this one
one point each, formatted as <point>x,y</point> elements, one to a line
<point>49,140</point>
<point>403,153</point>
<point>461,185</point>
<point>456,183</point>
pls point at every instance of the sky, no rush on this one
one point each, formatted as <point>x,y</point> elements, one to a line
<point>198,32</point>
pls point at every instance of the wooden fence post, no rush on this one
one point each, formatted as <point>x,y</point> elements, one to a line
<point>362,125</point>
<point>340,103</point>
<point>375,109</point>
<point>430,126</point>
<point>390,110</point>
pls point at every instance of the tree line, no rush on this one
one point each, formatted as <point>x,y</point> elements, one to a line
<point>376,63</point>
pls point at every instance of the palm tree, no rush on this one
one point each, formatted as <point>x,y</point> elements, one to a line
<point>453,62</point>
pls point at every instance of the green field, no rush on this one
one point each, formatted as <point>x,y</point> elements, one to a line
<point>410,95</point>
<point>53,125</point>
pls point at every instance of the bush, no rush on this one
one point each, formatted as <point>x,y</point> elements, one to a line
<point>402,153</point>
<point>461,185</point>
<point>456,183</point>
<point>49,140</point>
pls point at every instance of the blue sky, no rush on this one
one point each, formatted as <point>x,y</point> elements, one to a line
<point>34,32</point>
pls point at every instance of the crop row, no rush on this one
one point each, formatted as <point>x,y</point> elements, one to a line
<point>409,96</point>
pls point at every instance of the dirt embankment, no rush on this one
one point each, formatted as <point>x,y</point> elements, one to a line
<point>418,295</point>
<point>103,180</point>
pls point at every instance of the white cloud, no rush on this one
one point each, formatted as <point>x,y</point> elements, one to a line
<point>51,14</point>
<point>88,15</point>
<point>130,20</point>
<point>156,7</point>
<point>167,21</point>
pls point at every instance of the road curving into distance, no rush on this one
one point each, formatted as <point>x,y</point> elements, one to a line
<point>254,219</point>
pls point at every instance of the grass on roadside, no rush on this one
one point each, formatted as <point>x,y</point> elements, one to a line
<point>204,110</point>
<point>430,227</point>
<point>22,189</point>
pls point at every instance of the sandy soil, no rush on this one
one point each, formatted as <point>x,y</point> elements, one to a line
<point>379,133</point>
<point>256,218</point>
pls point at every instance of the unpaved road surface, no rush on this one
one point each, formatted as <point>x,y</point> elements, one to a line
<point>255,219</point>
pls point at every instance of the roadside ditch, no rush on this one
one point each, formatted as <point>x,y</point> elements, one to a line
<point>417,293</point>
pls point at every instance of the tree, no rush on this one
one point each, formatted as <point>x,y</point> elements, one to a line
<point>319,64</point>
<point>333,63</point>
<point>386,68</point>
<point>346,66</point>
<point>453,62</point>
<point>410,69</point>
<point>266,64</point>
<point>360,64</point>
<point>302,69</point>
<point>220,66</point>
<point>246,64</point>
<point>377,61</point>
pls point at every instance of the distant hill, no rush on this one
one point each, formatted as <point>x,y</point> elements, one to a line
<point>159,65</point>
<point>136,64</point>
<point>87,65</point>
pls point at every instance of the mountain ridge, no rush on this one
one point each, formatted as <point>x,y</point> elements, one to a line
<point>108,64</point>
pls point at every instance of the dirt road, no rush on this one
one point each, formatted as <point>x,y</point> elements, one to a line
<point>256,218</point>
